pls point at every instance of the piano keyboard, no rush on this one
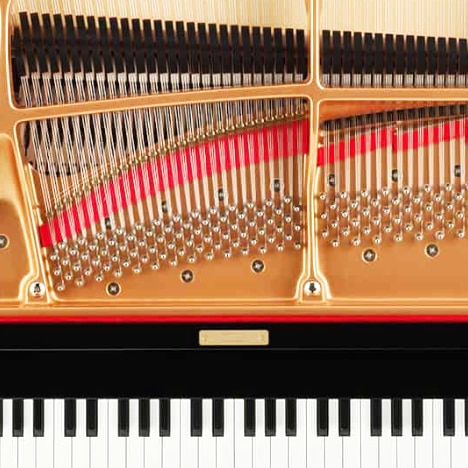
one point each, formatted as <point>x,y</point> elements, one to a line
<point>312,433</point>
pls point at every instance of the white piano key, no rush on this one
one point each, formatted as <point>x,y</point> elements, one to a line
<point>207,443</point>
<point>153,443</point>
<point>80,443</point>
<point>387,443</point>
<point>279,443</point>
<point>333,443</point>
<point>370,444</point>
<point>25,446</point>
<point>62,444</point>
<point>7,441</point>
<point>405,443</point>
<point>225,446</point>
<point>297,444</point>
<point>171,445</point>
<point>243,445</point>
<point>261,442</point>
<point>315,445</point>
<point>99,445</point>
<point>423,445</point>
<point>460,441</point>
<point>441,444</point>
<point>352,444</point>
<point>189,444</point>
<point>45,445</point>
<point>117,445</point>
<point>135,452</point>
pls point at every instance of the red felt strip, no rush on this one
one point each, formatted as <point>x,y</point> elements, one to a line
<point>203,160</point>
<point>383,137</point>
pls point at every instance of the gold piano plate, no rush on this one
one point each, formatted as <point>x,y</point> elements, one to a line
<point>233,338</point>
<point>230,161</point>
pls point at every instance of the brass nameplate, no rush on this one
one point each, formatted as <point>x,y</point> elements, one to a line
<point>233,338</point>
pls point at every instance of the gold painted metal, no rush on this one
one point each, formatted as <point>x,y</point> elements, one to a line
<point>403,279</point>
<point>233,338</point>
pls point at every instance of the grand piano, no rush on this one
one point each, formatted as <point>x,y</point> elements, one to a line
<point>233,234</point>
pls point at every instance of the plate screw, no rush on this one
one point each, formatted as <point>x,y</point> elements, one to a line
<point>369,255</point>
<point>312,288</point>
<point>187,276</point>
<point>258,266</point>
<point>37,290</point>
<point>113,289</point>
<point>432,250</point>
<point>3,241</point>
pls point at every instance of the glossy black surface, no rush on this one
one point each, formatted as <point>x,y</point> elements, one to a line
<point>359,360</point>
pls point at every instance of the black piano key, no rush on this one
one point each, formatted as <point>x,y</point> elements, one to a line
<point>449,417</point>
<point>397,417</point>
<point>1,418</point>
<point>218,417</point>
<point>18,418</point>
<point>249,418</point>
<point>144,417</point>
<point>165,417</point>
<point>196,417</point>
<point>291,417</point>
<point>123,418</point>
<point>38,418</point>
<point>344,413</point>
<point>91,418</point>
<point>417,417</point>
<point>70,418</point>
<point>376,417</point>
<point>322,417</point>
<point>270,417</point>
